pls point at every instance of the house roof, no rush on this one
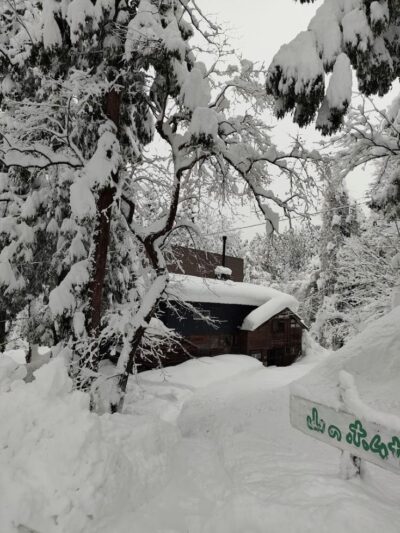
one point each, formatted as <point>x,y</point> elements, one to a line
<point>268,301</point>
<point>193,262</point>
<point>269,309</point>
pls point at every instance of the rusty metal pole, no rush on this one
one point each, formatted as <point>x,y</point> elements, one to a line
<point>224,238</point>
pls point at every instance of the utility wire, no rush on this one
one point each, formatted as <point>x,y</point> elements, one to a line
<point>281,219</point>
<point>221,232</point>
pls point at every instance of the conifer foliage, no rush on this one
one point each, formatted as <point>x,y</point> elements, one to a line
<point>343,34</point>
<point>86,85</point>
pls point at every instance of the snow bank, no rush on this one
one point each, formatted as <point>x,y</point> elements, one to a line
<point>63,468</point>
<point>373,361</point>
<point>10,371</point>
<point>240,467</point>
<point>164,392</point>
<point>311,350</point>
<point>19,355</point>
<point>197,373</point>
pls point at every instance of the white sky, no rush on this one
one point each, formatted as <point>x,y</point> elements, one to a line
<point>258,28</point>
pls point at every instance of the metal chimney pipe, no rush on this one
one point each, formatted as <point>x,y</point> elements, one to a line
<point>224,250</point>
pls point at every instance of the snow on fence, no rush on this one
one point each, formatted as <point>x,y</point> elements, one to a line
<point>361,438</point>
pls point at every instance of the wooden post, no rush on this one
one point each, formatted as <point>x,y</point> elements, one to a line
<point>3,329</point>
<point>350,465</point>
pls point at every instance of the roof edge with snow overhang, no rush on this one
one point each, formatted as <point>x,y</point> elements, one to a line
<point>207,290</point>
<point>268,301</point>
<point>268,310</point>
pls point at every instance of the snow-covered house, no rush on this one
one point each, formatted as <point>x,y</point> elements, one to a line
<point>224,316</point>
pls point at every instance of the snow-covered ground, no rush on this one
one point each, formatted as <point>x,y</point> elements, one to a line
<point>204,447</point>
<point>372,358</point>
<point>240,467</point>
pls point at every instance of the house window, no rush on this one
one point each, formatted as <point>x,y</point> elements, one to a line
<point>278,326</point>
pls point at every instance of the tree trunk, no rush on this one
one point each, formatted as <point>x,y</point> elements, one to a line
<point>102,234</point>
<point>102,241</point>
<point>154,295</point>
<point>135,344</point>
<point>123,378</point>
<point>3,329</point>
<point>151,302</point>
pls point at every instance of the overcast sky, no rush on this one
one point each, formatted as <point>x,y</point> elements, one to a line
<point>258,28</point>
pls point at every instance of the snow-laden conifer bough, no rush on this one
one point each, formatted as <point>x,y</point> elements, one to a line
<point>343,34</point>
<point>86,210</point>
<point>312,76</point>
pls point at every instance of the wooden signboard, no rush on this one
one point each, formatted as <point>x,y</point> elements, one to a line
<point>369,441</point>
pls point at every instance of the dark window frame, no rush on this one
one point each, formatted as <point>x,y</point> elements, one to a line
<point>278,326</point>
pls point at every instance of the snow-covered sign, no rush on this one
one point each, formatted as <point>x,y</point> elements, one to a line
<point>364,439</point>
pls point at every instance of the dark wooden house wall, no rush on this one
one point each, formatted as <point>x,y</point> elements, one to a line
<point>228,317</point>
<point>201,337</point>
<point>276,342</point>
<point>199,263</point>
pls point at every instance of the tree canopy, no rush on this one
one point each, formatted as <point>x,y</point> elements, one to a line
<point>343,34</point>
<point>112,114</point>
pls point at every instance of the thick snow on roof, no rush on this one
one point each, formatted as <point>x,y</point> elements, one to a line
<point>269,309</point>
<point>222,270</point>
<point>366,369</point>
<point>207,290</point>
<point>269,301</point>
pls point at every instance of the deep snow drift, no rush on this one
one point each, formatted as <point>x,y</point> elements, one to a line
<point>204,447</point>
<point>373,360</point>
<point>240,467</point>
<point>64,468</point>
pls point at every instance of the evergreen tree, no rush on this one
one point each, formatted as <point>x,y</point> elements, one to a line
<point>86,85</point>
<point>339,221</point>
<point>342,35</point>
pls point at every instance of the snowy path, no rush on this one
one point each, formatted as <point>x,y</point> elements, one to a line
<point>241,468</point>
